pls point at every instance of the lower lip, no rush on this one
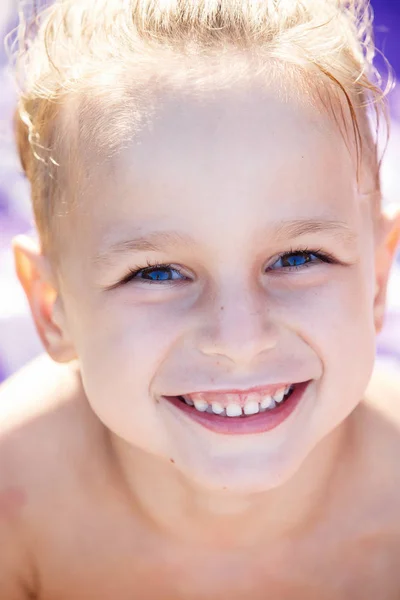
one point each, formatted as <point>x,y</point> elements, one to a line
<point>259,423</point>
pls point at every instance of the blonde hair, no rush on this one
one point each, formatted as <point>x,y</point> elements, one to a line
<point>103,58</point>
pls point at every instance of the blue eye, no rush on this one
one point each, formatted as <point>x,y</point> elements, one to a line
<point>156,274</point>
<point>159,274</point>
<point>297,260</point>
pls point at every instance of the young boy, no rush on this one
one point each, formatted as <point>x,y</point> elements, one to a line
<point>208,285</point>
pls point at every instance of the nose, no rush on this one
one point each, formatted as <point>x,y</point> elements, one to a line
<point>238,326</point>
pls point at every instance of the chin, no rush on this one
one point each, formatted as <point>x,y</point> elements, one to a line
<point>244,476</point>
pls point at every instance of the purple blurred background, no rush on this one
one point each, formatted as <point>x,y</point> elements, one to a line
<point>18,339</point>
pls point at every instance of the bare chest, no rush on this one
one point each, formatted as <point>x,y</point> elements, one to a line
<point>114,567</point>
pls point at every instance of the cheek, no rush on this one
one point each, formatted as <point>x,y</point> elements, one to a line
<point>337,308</point>
<point>336,321</point>
<point>120,349</point>
<point>122,333</point>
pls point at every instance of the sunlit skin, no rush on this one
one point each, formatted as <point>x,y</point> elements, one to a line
<point>226,248</point>
<point>220,192</point>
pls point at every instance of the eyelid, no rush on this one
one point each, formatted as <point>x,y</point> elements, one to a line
<point>323,257</point>
<point>134,271</point>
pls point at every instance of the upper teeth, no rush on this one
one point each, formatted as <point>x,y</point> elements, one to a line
<point>251,408</point>
<point>201,405</point>
<point>217,408</point>
<point>279,395</point>
<point>267,402</point>
<point>253,405</point>
<point>233,410</point>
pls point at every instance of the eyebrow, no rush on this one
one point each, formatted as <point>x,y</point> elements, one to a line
<point>161,240</point>
<point>338,229</point>
<point>152,242</point>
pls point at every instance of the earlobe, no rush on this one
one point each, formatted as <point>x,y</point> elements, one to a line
<point>36,277</point>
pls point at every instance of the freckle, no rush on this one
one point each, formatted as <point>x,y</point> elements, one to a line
<point>12,502</point>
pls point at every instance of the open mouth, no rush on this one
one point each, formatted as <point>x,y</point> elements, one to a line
<point>242,412</point>
<point>254,403</point>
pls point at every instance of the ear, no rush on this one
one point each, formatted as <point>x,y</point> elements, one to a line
<point>386,249</point>
<point>36,277</point>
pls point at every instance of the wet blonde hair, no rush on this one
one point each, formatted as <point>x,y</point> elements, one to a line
<point>103,59</point>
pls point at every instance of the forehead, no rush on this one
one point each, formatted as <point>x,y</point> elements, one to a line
<point>245,154</point>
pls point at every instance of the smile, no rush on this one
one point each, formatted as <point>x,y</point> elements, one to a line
<point>238,405</point>
<point>245,412</point>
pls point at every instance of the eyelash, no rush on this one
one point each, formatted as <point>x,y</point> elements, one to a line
<point>134,271</point>
<point>321,256</point>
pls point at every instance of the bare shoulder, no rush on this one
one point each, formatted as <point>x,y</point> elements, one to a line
<point>383,393</point>
<point>47,431</point>
<point>377,444</point>
<point>377,418</point>
<point>34,391</point>
<point>44,421</point>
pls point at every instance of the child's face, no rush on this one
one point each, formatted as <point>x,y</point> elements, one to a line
<point>216,192</point>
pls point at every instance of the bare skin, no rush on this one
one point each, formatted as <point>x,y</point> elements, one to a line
<point>69,527</point>
<point>108,491</point>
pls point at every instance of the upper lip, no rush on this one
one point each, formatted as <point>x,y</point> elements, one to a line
<point>266,389</point>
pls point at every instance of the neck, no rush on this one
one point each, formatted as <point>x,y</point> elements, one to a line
<point>178,509</point>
